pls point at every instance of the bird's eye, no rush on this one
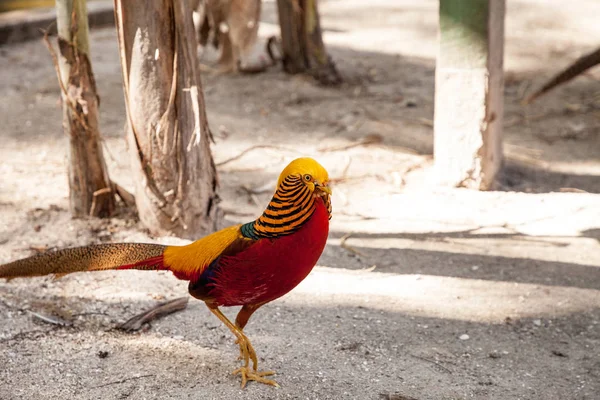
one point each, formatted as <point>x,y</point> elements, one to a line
<point>307,178</point>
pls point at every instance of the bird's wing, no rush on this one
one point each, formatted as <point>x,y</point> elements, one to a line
<point>188,262</point>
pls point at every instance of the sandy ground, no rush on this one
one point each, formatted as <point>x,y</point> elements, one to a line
<point>437,294</point>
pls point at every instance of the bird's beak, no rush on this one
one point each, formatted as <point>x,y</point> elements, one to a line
<point>322,189</point>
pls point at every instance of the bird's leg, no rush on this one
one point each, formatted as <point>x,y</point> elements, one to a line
<point>247,351</point>
<point>240,322</point>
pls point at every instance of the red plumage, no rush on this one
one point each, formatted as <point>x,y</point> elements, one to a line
<point>270,268</point>
<point>152,263</point>
<point>157,264</point>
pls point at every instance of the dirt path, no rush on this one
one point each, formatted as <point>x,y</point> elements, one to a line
<point>437,294</point>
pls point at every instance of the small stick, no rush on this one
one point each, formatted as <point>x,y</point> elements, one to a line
<point>122,381</point>
<point>346,168</point>
<point>367,140</point>
<point>433,362</point>
<point>353,178</point>
<point>571,190</point>
<point>127,197</point>
<point>249,149</point>
<point>361,216</point>
<point>39,249</point>
<point>579,66</point>
<point>527,118</point>
<point>394,396</point>
<point>136,323</point>
<point>49,319</point>
<point>349,248</point>
<point>98,193</point>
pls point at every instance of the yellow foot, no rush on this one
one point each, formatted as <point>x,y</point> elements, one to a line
<point>257,376</point>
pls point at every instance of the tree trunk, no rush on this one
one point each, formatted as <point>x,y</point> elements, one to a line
<point>167,133</point>
<point>90,187</point>
<point>302,43</point>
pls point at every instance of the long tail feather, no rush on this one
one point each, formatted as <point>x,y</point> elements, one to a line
<point>88,258</point>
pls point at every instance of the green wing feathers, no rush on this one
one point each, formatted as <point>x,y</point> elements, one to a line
<point>88,258</point>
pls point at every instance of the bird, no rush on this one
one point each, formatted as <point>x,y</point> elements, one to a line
<point>247,265</point>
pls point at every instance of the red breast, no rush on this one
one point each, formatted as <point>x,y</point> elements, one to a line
<point>272,267</point>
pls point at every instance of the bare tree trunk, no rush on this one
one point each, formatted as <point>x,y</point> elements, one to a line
<point>90,187</point>
<point>167,133</point>
<point>302,43</point>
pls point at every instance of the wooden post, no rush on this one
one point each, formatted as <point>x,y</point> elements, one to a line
<point>167,132</point>
<point>469,93</point>
<point>90,188</point>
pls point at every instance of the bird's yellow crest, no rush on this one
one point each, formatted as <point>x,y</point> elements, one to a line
<point>312,173</point>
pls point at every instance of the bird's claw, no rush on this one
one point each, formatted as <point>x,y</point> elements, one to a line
<point>253,375</point>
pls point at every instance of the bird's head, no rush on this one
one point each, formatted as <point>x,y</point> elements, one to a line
<point>312,174</point>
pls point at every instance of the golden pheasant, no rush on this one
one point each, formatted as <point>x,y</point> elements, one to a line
<point>245,265</point>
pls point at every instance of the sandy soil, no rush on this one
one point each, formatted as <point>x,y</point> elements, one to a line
<point>437,294</point>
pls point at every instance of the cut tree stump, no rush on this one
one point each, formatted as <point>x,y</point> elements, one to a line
<point>469,93</point>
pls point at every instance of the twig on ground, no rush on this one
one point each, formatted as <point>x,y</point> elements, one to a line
<point>579,66</point>
<point>249,149</point>
<point>122,381</point>
<point>517,119</point>
<point>418,120</point>
<point>415,166</point>
<point>354,178</point>
<point>425,121</point>
<point>437,363</point>
<point>136,323</point>
<point>372,138</point>
<point>346,168</point>
<point>49,319</point>
<point>39,249</point>
<point>571,190</point>
<point>347,247</point>
<point>361,216</point>
<point>395,396</point>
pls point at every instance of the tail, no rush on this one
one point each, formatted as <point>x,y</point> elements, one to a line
<point>99,257</point>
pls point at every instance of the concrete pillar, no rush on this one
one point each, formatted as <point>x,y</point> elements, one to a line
<point>469,93</point>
